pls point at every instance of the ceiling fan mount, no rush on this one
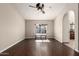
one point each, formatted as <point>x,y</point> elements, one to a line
<point>39,6</point>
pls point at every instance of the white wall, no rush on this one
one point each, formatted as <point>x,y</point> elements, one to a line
<point>30,27</point>
<point>68,18</point>
<point>58,24</point>
<point>58,28</point>
<point>66,28</point>
<point>78,27</point>
<point>11,26</point>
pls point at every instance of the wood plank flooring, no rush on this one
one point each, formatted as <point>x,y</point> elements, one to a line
<point>29,47</point>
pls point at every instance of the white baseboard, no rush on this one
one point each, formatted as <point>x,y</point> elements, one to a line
<point>10,46</point>
<point>59,41</point>
<point>29,38</point>
<point>76,50</point>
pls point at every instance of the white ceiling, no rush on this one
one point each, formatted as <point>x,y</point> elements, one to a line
<point>51,11</point>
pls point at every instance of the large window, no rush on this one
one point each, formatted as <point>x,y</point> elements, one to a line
<point>41,28</point>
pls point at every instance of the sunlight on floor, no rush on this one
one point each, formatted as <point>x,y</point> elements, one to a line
<point>46,40</point>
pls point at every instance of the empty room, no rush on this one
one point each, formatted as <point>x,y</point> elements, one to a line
<point>39,29</point>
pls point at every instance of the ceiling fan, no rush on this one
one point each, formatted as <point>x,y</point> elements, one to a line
<point>39,6</point>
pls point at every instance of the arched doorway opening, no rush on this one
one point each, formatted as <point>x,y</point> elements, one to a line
<point>69,29</point>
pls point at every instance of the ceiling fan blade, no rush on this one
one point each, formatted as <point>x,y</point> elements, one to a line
<point>32,6</point>
<point>43,11</point>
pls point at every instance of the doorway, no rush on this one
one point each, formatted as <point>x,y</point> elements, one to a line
<point>69,29</point>
<point>72,25</point>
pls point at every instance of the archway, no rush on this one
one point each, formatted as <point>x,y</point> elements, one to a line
<point>69,29</point>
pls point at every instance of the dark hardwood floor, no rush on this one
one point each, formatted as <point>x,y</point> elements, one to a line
<point>29,47</point>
